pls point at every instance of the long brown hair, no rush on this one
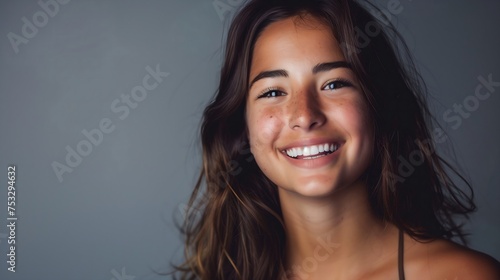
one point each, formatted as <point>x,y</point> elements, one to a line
<point>233,227</point>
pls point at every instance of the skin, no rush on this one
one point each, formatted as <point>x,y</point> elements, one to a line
<point>323,200</point>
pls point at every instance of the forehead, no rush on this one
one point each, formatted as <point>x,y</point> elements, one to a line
<point>292,39</point>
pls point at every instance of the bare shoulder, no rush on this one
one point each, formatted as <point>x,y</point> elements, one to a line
<point>445,260</point>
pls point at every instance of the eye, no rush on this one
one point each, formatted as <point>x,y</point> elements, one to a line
<point>270,92</point>
<point>337,84</point>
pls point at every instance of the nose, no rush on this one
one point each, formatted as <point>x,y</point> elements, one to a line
<point>305,111</point>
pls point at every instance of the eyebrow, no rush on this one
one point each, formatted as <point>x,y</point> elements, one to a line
<point>321,67</point>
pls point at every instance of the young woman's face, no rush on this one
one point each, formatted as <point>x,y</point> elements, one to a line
<point>306,115</point>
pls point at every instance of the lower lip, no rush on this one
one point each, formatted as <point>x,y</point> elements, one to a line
<point>314,163</point>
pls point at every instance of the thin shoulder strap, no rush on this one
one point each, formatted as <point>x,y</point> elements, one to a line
<point>401,250</point>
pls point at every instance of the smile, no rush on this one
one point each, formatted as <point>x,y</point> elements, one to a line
<point>311,152</point>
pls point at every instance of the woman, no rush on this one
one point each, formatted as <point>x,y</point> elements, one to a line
<point>301,174</point>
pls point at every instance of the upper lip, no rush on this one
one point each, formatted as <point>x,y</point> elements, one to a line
<point>310,142</point>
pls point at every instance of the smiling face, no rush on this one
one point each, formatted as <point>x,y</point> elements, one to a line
<point>307,118</point>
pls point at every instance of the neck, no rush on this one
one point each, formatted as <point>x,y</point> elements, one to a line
<point>338,232</point>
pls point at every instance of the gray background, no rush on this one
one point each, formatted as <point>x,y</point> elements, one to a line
<point>112,216</point>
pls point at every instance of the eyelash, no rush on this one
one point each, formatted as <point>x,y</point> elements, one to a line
<point>342,83</point>
<point>267,91</point>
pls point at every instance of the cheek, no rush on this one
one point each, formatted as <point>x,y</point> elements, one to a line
<point>264,126</point>
<point>357,120</point>
<point>354,117</point>
<point>361,130</point>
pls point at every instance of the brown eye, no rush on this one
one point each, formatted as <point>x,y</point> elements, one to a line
<point>271,93</point>
<point>337,85</point>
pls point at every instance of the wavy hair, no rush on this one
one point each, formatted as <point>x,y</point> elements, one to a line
<point>234,227</point>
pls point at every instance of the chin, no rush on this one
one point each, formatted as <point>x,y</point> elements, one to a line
<point>316,187</point>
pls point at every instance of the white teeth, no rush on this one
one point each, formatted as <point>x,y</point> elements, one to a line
<point>311,151</point>
<point>314,150</point>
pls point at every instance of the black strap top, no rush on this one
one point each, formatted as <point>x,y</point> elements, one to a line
<point>401,270</point>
